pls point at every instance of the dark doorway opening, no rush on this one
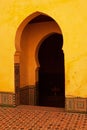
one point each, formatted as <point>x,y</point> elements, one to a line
<point>51,72</point>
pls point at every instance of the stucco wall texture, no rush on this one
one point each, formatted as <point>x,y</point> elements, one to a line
<point>70,15</point>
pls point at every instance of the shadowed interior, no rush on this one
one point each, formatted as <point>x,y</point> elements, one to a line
<point>51,72</point>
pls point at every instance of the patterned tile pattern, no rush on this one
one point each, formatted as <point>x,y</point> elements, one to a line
<point>7,99</point>
<point>40,118</point>
<point>32,95</point>
<point>17,76</point>
<point>28,95</point>
<point>17,81</point>
<point>76,104</point>
<point>69,104</point>
<point>81,104</point>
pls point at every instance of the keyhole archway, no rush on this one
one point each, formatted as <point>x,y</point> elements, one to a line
<point>37,30</point>
<point>51,77</point>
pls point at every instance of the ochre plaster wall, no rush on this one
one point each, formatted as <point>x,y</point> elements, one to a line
<point>72,19</point>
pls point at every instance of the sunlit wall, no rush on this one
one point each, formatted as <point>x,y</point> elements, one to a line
<point>71,17</point>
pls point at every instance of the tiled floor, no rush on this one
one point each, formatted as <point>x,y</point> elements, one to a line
<point>40,118</point>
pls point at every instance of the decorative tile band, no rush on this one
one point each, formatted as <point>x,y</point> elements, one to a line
<point>32,95</point>
<point>17,81</point>
<point>76,104</point>
<point>7,99</point>
<point>28,95</point>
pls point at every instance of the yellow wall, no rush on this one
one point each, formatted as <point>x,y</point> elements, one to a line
<point>71,17</point>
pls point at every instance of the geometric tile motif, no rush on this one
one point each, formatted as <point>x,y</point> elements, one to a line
<point>17,76</point>
<point>80,104</point>
<point>17,81</point>
<point>25,117</point>
<point>32,95</point>
<point>69,105</point>
<point>28,95</point>
<point>7,99</point>
<point>76,104</point>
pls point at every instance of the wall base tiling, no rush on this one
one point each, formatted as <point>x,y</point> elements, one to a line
<point>7,99</point>
<point>17,82</point>
<point>32,95</point>
<point>76,104</point>
<point>28,95</point>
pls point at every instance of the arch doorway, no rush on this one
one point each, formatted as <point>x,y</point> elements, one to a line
<point>51,72</point>
<point>38,44</point>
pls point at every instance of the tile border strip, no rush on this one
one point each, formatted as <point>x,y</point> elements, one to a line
<point>72,104</point>
<point>7,99</point>
<point>76,104</point>
<point>17,82</point>
<point>30,93</point>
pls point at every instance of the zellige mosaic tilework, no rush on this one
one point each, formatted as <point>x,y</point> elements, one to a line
<point>40,118</point>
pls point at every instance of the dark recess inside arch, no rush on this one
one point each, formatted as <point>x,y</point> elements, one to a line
<point>41,18</point>
<point>51,72</point>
